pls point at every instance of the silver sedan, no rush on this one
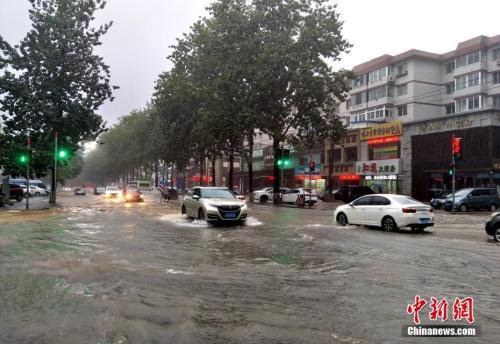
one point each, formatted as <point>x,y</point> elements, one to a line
<point>215,204</point>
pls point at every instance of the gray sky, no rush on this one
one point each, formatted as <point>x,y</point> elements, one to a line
<point>137,44</point>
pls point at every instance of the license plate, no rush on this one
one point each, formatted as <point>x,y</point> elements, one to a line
<point>230,215</point>
<point>424,220</point>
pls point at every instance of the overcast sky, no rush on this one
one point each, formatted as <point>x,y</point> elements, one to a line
<point>137,44</point>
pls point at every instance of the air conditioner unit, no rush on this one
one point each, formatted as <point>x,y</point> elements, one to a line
<point>390,78</point>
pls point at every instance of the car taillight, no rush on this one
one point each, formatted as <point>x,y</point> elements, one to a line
<point>409,210</point>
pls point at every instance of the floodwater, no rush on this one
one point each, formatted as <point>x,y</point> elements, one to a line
<point>105,272</point>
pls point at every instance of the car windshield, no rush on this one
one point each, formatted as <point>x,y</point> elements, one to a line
<point>405,200</point>
<point>112,188</point>
<point>462,193</point>
<point>216,193</point>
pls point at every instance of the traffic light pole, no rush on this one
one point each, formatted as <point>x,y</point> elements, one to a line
<point>28,174</point>
<point>453,179</point>
<point>54,173</point>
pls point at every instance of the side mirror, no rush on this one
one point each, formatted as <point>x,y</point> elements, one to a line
<point>196,197</point>
<point>351,205</point>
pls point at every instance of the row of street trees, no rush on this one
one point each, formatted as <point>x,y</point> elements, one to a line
<point>252,65</point>
<point>249,65</point>
<point>52,84</point>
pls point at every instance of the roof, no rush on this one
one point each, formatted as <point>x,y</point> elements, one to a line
<point>465,47</point>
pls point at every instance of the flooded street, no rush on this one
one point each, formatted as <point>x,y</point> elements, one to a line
<point>108,272</point>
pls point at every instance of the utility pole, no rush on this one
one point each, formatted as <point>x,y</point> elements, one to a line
<point>453,179</point>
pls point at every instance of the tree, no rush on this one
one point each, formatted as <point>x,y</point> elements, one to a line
<point>297,88</point>
<point>53,82</point>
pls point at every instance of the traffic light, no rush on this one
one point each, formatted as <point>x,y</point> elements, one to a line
<point>457,147</point>
<point>23,159</point>
<point>280,157</point>
<point>62,154</point>
<point>451,168</point>
<point>286,158</point>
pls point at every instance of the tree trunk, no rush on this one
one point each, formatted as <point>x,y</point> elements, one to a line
<point>156,173</point>
<point>214,158</point>
<point>250,162</point>
<point>201,171</point>
<point>330,166</point>
<point>277,179</point>
<point>231,170</point>
<point>172,177</point>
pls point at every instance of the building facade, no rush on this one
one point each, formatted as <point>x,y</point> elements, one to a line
<point>430,97</point>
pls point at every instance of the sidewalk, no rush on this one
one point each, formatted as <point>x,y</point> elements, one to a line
<point>35,203</point>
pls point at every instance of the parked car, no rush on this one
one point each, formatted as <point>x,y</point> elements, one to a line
<point>133,195</point>
<point>266,194</point>
<point>79,192</point>
<point>292,196</point>
<point>16,192</point>
<point>387,211</point>
<point>474,199</point>
<point>34,191</point>
<point>99,190</point>
<point>112,192</point>
<point>438,201</point>
<point>348,193</point>
<point>213,204</point>
<point>238,195</point>
<point>492,227</point>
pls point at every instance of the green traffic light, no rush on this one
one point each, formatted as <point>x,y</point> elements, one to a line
<point>23,159</point>
<point>287,162</point>
<point>280,162</point>
<point>62,154</point>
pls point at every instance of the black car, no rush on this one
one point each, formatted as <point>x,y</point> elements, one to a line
<point>437,202</point>
<point>474,199</point>
<point>348,193</point>
<point>493,226</point>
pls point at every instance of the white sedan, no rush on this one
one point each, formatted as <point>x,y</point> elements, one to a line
<point>387,211</point>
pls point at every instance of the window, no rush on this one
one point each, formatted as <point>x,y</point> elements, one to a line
<point>377,93</point>
<point>336,155</point>
<point>496,54</point>
<point>402,110</point>
<point>358,99</point>
<point>379,200</point>
<point>450,88</point>
<point>466,104</point>
<point>468,59</point>
<point>348,104</point>
<point>468,80</point>
<point>377,74</point>
<point>401,90</point>
<point>450,109</point>
<point>402,69</point>
<point>450,67</point>
<point>366,200</point>
<point>496,101</point>
<point>496,78</point>
<point>351,154</point>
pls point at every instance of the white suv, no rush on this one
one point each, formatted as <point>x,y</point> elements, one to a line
<point>266,194</point>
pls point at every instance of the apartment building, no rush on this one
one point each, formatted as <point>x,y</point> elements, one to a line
<point>433,96</point>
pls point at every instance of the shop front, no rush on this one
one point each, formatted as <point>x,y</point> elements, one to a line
<point>306,178</point>
<point>382,176</point>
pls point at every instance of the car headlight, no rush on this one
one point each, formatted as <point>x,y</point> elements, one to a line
<point>212,205</point>
<point>493,215</point>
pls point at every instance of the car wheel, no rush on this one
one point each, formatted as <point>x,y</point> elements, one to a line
<point>201,214</point>
<point>388,224</point>
<point>19,198</point>
<point>496,235</point>
<point>493,207</point>
<point>183,210</point>
<point>263,199</point>
<point>342,219</point>
<point>463,208</point>
<point>37,194</point>
<point>27,195</point>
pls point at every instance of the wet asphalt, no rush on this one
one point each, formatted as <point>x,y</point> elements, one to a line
<point>97,271</point>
